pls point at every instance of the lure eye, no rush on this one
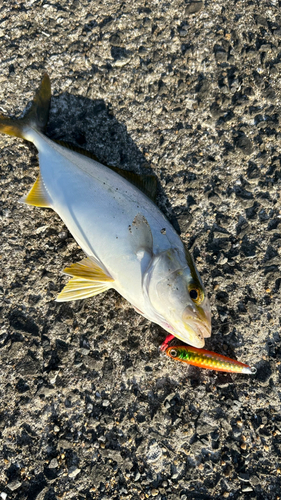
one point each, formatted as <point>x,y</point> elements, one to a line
<point>173,353</point>
<point>196,294</point>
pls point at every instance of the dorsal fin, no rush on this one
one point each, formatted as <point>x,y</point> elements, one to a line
<point>146,183</point>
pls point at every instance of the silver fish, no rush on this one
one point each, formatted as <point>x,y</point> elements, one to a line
<point>129,244</point>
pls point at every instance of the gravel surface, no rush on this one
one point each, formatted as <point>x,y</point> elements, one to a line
<point>89,407</point>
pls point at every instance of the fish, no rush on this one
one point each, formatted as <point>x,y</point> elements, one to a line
<point>206,359</point>
<point>129,244</point>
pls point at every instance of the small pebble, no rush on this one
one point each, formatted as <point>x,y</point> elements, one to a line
<point>193,7</point>
<point>53,464</point>
<point>247,489</point>
<point>73,471</point>
<point>137,476</point>
<point>63,235</point>
<point>84,351</point>
<point>14,485</point>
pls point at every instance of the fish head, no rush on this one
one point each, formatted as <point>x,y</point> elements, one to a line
<point>177,293</point>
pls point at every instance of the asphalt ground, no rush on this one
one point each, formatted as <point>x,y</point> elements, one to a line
<point>89,408</point>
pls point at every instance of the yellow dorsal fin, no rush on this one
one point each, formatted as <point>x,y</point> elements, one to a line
<point>88,280</point>
<point>38,195</point>
<point>89,270</point>
<point>78,288</point>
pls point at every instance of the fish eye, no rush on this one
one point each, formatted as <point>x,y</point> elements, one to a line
<point>196,294</point>
<point>193,294</point>
<point>173,353</point>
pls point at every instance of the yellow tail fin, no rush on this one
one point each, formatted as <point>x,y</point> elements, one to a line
<point>37,115</point>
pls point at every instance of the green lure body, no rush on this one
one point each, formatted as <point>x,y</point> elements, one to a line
<point>207,359</point>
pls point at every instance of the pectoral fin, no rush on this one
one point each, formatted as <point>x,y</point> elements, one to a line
<point>141,240</point>
<point>141,235</point>
<point>89,279</point>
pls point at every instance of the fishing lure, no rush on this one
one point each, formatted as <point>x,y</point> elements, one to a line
<point>206,359</point>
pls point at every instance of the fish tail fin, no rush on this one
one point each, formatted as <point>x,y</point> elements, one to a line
<point>36,117</point>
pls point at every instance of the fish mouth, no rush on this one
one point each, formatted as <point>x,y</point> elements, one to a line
<point>201,331</point>
<point>193,334</point>
<point>192,328</point>
<point>197,330</point>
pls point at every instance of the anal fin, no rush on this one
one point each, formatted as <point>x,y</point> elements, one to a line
<point>88,269</point>
<point>88,279</point>
<point>78,288</point>
<point>38,195</point>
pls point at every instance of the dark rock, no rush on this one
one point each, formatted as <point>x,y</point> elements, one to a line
<point>242,225</point>
<point>273,224</point>
<point>220,53</point>
<point>271,269</point>
<point>247,247</point>
<point>261,21</point>
<point>190,201</point>
<point>242,193</point>
<point>243,143</point>
<point>263,216</point>
<point>263,371</point>
<point>222,296</point>
<point>251,212</point>
<point>184,220</point>
<point>248,91</point>
<point>119,53</point>
<point>28,366</point>
<point>218,244</point>
<point>115,40</point>
<point>270,254</point>
<point>162,88</point>
<point>253,172</point>
<point>193,6</point>
<point>22,386</point>
<point>20,321</point>
<point>218,229</point>
<point>216,110</point>
<point>203,89</point>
